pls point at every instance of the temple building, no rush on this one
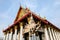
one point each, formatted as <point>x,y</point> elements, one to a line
<point>29,26</point>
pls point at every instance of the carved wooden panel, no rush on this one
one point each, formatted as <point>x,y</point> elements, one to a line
<point>28,27</point>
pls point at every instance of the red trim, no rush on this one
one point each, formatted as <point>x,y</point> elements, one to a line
<point>37,17</point>
<point>17,21</point>
<point>53,25</point>
<point>18,13</point>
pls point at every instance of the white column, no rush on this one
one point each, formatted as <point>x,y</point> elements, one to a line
<point>37,37</point>
<point>21,30</point>
<point>11,35</point>
<point>50,34</point>
<point>11,32</point>
<point>23,38</point>
<point>43,37</point>
<point>15,35</point>
<point>34,36</point>
<point>46,33</point>
<point>7,38</point>
<point>53,34</point>
<point>57,35</point>
<point>29,36</point>
<point>18,37</point>
<point>4,36</point>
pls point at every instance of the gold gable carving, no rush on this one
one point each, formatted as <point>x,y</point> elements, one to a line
<point>22,12</point>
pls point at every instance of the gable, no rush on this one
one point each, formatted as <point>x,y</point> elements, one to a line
<point>20,13</point>
<point>23,13</point>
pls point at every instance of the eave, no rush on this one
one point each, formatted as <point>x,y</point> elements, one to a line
<point>37,17</point>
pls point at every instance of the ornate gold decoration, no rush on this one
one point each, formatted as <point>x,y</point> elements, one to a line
<point>28,20</point>
<point>4,33</point>
<point>21,23</point>
<point>15,27</point>
<point>11,30</point>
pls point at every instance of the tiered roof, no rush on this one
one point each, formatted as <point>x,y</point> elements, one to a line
<point>26,13</point>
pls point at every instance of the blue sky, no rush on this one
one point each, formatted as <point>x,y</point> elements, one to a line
<point>48,8</point>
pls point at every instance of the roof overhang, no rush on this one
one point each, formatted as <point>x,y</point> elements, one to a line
<point>34,15</point>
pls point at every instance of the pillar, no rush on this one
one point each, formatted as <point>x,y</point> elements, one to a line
<point>15,35</point>
<point>37,37</point>
<point>21,31</point>
<point>50,33</point>
<point>46,33</point>
<point>11,32</point>
<point>29,36</point>
<point>53,34</point>
<point>57,35</point>
<point>5,36</point>
<point>23,37</point>
<point>18,36</point>
<point>34,36</point>
<point>9,36</point>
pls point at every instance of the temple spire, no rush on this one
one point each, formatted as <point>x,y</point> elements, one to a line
<point>31,19</point>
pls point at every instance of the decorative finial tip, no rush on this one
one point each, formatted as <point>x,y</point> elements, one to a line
<point>44,18</point>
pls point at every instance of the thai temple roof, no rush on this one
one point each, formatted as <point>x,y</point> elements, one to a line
<point>28,12</point>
